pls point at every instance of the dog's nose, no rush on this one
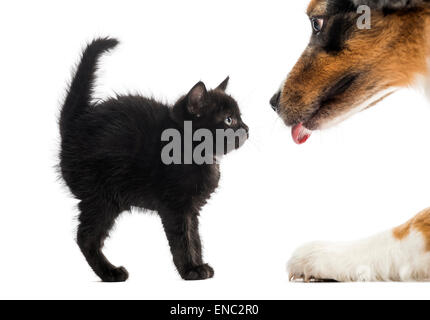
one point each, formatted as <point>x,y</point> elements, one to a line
<point>274,102</point>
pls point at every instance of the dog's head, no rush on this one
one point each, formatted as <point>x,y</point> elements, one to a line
<point>355,58</point>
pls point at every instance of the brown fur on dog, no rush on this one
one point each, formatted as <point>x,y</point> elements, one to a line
<point>317,8</point>
<point>420,223</point>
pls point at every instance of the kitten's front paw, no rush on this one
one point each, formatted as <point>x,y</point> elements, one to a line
<point>115,275</point>
<point>199,273</point>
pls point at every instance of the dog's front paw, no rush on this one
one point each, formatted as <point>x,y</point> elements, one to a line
<point>383,257</point>
<point>202,272</point>
<point>309,263</point>
<point>327,262</point>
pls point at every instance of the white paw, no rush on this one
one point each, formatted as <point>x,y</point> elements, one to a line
<point>379,258</point>
<point>309,263</point>
<point>326,262</point>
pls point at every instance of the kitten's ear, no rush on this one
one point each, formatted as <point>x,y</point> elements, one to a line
<point>197,98</point>
<point>223,86</point>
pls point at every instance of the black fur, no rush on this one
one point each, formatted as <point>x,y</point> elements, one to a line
<point>337,34</point>
<point>391,4</point>
<point>342,6</point>
<point>110,160</point>
<point>336,31</point>
<point>338,88</point>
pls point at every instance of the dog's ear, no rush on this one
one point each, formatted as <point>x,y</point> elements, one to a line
<point>392,4</point>
<point>197,98</point>
<point>223,86</point>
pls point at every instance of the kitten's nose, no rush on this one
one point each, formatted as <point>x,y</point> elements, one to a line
<point>274,102</point>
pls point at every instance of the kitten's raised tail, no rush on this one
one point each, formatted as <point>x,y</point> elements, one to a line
<point>80,91</point>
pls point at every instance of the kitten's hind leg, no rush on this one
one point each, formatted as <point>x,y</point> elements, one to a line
<point>182,231</point>
<point>96,220</point>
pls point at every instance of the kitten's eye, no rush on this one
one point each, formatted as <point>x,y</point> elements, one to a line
<point>317,24</point>
<point>229,121</point>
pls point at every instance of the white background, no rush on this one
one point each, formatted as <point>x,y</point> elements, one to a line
<point>369,174</point>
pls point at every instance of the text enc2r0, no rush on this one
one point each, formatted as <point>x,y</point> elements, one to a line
<point>216,310</point>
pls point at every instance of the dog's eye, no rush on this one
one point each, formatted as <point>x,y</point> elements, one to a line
<point>317,24</point>
<point>228,121</point>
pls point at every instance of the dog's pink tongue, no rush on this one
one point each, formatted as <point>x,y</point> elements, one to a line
<point>300,133</point>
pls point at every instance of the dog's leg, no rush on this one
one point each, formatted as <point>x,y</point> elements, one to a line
<point>401,254</point>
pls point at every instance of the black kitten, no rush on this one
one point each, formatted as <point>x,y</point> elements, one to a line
<point>110,159</point>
